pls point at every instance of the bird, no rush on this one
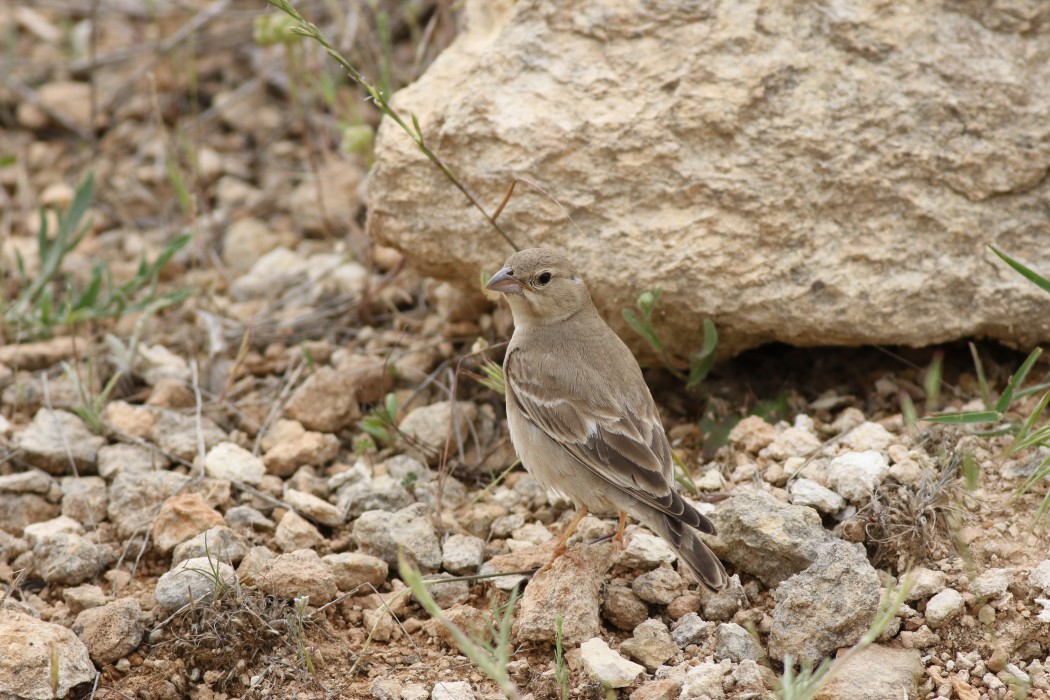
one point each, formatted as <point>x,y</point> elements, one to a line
<point>581,417</point>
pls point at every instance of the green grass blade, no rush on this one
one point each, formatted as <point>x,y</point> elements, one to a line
<point>45,307</point>
<point>1038,475</point>
<point>971,471</point>
<point>1008,395</point>
<point>177,244</point>
<point>682,476</point>
<point>932,381</point>
<point>1025,436</point>
<point>1007,429</point>
<point>87,299</point>
<point>1043,386</point>
<point>982,380</point>
<point>21,264</point>
<point>82,199</point>
<point>964,418</point>
<point>71,228</point>
<point>151,304</point>
<point>911,416</point>
<point>43,238</point>
<point>1028,273</point>
<point>506,626</point>
<point>51,254</point>
<point>483,654</point>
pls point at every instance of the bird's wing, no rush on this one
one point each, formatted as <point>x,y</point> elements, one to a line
<point>619,438</point>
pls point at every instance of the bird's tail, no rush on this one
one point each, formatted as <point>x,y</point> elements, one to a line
<point>691,549</point>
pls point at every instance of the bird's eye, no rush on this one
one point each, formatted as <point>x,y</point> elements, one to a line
<point>544,278</point>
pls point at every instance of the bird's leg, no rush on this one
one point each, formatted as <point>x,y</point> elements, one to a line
<point>618,537</point>
<point>560,547</point>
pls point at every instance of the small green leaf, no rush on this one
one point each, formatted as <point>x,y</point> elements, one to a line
<point>272,29</point>
<point>647,300</point>
<point>643,329</point>
<point>358,138</point>
<point>176,244</point>
<point>375,427</point>
<point>701,361</point>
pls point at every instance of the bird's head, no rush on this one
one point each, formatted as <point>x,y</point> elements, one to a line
<point>541,287</point>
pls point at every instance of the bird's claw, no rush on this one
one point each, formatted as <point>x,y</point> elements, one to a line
<point>618,539</point>
<point>550,562</point>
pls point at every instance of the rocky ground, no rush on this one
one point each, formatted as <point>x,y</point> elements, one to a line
<point>208,499</point>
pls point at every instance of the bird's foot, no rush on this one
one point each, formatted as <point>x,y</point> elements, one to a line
<point>618,539</point>
<point>621,543</point>
<point>560,546</point>
<point>560,550</point>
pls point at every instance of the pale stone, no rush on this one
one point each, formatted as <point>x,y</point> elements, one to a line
<point>192,580</point>
<point>606,666</point>
<point>354,571</point>
<point>925,583</point>
<point>855,475</point>
<point>807,146</point>
<point>298,573</point>
<point>234,463</point>
<point>310,506</point>
<point>295,532</point>
<point>59,443</point>
<point>180,518</point>
<point>646,551</point>
<point>806,492</point>
<point>429,426</point>
<point>25,664</point>
<point>944,607</point>
<point>1040,577</point>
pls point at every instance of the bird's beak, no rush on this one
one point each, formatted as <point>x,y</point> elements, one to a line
<point>504,281</point>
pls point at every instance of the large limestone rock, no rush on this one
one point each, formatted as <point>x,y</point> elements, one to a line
<point>821,173</point>
<point>31,648</point>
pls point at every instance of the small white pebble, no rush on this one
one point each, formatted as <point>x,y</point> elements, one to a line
<point>992,682</point>
<point>1017,673</point>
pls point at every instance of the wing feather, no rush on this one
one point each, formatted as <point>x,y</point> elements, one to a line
<point>628,450</point>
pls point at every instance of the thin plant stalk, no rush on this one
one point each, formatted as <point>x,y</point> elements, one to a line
<point>807,683</point>
<point>490,657</point>
<point>309,29</point>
